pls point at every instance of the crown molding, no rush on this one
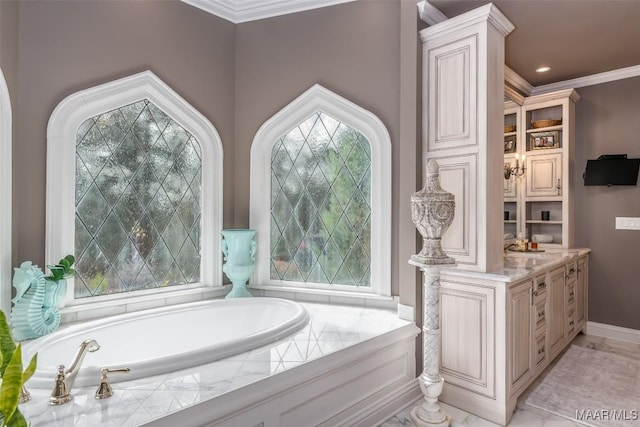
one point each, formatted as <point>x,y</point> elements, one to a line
<point>430,14</point>
<point>487,13</point>
<point>513,95</point>
<point>551,96</point>
<point>594,79</point>
<point>517,82</point>
<point>239,11</point>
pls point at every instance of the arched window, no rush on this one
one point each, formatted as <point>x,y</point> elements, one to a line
<point>134,189</point>
<point>320,197</point>
<point>5,192</point>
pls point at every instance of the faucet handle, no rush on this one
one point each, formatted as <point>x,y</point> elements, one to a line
<point>104,389</point>
<point>60,393</point>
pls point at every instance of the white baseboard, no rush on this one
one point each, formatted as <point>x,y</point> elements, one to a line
<point>379,412</point>
<point>614,332</point>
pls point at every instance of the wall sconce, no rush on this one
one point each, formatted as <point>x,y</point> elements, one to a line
<point>517,170</point>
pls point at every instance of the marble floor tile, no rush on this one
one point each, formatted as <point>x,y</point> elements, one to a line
<point>526,416</point>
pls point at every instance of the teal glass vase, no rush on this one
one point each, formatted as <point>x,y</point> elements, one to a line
<point>239,250</point>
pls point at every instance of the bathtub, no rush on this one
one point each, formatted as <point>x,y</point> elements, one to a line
<point>166,339</point>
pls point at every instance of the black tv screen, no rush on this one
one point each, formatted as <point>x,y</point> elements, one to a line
<point>612,172</point>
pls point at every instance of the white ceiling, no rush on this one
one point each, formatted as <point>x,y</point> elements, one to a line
<point>238,11</point>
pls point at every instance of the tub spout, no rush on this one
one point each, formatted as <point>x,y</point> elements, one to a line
<point>74,367</point>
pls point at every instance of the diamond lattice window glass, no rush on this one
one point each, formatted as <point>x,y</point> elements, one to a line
<point>138,178</point>
<point>321,204</point>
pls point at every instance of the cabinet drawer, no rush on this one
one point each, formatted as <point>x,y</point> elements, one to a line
<point>540,286</point>
<point>571,294</point>
<point>540,314</point>
<point>571,322</point>
<point>571,270</point>
<point>541,349</point>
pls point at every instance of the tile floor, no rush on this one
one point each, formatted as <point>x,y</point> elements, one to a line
<point>525,416</point>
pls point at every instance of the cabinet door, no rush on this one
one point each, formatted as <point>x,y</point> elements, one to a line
<point>544,175</point>
<point>557,309</point>
<point>582,286</point>
<point>519,312</point>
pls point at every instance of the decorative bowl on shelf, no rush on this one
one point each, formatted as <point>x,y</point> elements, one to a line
<point>545,123</point>
<point>508,129</point>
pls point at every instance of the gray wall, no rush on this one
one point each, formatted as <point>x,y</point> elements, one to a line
<point>237,76</point>
<point>352,49</point>
<point>67,46</point>
<point>607,123</point>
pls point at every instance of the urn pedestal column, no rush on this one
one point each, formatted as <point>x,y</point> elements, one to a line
<point>432,211</point>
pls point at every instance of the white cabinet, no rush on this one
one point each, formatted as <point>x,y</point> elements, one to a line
<point>519,312</point>
<point>544,175</point>
<point>582,285</point>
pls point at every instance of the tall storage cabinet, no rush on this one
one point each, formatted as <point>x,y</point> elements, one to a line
<point>543,196</point>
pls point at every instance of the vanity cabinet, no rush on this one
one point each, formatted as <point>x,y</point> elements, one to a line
<point>582,286</point>
<point>499,335</point>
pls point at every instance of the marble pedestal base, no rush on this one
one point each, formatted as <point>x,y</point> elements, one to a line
<point>420,423</point>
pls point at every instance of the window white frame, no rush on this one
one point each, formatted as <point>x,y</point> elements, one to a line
<point>61,169</point>
<point>5,191</point>
<point>316,99</point>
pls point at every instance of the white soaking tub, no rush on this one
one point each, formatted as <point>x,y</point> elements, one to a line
<point>166,339</point>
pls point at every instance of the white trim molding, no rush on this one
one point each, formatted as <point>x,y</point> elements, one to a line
<point>314,100</point>
<point>614,332</point>
<point>239,11</point>
<point>429,13</point>
<point>488,12</point>
<point>61,167</point>
<point>518,83</point>
<point>594,79</point>
<point>5,191</point>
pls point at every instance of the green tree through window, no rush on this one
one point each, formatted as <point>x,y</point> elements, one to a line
<point>321,204</point>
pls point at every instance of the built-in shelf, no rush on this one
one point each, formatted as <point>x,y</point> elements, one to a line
<point>545,188</point>
<point>510,133</point>
<point>545,200</point>
<point>545,151</point>
<point>545,129</point>
<point>538,221</point>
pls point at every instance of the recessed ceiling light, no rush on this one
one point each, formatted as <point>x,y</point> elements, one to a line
<point>542,69</point>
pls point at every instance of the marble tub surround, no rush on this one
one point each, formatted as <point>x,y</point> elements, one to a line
<point>147,400</point>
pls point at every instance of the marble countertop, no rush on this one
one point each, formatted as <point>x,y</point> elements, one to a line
<point>520,265</point>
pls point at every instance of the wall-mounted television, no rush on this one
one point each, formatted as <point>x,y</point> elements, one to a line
<point>614,169</point>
